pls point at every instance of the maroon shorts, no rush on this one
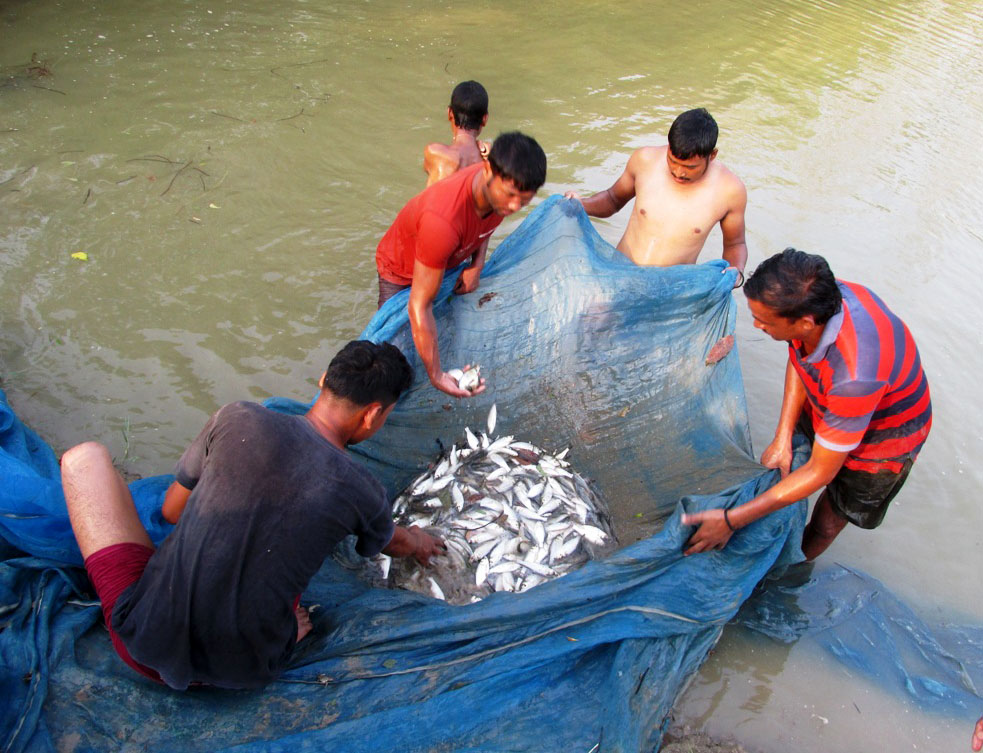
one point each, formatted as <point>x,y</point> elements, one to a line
<point>388,289</point>
<point>112,570</point>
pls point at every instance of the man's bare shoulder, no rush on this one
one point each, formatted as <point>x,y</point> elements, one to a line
<point>439,161</point>
<point>647,156</point>
<point>440,152</point>
<point>729,185</point>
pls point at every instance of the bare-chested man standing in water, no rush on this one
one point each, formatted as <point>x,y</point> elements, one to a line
<point>467,114</point>
<point>680,193</point>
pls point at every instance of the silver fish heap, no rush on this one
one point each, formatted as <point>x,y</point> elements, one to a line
<point>511,515</point>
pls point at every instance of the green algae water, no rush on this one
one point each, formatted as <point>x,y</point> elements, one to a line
<point>228,168</point>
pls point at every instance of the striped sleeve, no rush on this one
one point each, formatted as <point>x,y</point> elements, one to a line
<point>848,411</point>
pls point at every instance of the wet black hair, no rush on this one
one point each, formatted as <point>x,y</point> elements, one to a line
<point>693,134</point>
<point>469,105</point>
<point>796,284</point>
<point>365,372</point>
<point>520,159</point>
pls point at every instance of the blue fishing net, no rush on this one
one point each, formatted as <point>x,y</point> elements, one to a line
<point>580,349</point>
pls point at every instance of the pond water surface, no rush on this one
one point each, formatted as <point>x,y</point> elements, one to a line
<point>228,168</point>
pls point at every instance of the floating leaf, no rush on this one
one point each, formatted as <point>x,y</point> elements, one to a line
<point>67,162</point>
<point>196,219</point>
<point>214,206</point>
<point>80,255</point>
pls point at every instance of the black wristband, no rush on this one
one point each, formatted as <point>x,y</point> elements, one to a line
<point>741,283</point>
<point>727,521</point>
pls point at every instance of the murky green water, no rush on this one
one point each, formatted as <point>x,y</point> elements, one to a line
<point>229,167</point>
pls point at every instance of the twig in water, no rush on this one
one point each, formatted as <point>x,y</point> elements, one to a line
<point>154,158</point>
<point>125,180</point>
<point>223,115</point>
<point>22,172</point>
<point>49,89</point>
<point>283,120</point>
<point>181,170</point>
<point>87,195</point>
<point>274,69</point>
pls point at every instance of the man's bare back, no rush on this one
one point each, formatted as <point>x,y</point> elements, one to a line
<point>678,200</point>
<point>441,160</point>
<point>467,115</point>
<point>672,217</point>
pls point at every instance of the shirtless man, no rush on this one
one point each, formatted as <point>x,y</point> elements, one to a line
<point>467,114</point>
<point>680,193</point>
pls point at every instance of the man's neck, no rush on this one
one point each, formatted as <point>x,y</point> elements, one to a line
<point>464,137</point>
<point>479,201</point>
<point>328,422</point>
<point>811,342</point>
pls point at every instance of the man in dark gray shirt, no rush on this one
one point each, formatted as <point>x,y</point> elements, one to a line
<point>260,499</point>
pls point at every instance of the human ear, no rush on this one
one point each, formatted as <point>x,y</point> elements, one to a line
<point>320,382</point>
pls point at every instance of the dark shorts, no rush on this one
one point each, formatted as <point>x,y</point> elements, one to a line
<point>112,570</point>
<point>388,289</point>
<point>861,497</point>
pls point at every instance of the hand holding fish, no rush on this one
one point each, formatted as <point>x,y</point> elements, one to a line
<point>461,382</point>
<point>713,531</point>
<point>414,542</point>
<point>425,546</point>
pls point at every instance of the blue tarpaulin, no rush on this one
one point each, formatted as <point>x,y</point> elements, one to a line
<point>579,348</point>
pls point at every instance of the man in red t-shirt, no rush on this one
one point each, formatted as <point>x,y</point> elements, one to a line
<point>448,223</point>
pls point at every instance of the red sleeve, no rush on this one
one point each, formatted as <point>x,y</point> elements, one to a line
<point>436,241</point>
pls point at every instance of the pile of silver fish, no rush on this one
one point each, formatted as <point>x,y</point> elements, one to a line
<point>511,515</point>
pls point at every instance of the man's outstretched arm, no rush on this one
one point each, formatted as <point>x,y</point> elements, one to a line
<point>423,292</point>
<point>611,200</point>
<point>714,531</point>
<point>733,231</point>
<point>778,454</point>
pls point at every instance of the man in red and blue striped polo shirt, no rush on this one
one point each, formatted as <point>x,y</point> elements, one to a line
<point>854,383</point>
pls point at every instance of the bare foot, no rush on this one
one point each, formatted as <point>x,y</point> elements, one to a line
<point>978,735</point>
<point>304,625</point>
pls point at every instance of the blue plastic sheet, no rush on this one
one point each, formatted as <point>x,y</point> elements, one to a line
<point>579,348</point>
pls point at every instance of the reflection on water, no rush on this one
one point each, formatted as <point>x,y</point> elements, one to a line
<point>228,168</point>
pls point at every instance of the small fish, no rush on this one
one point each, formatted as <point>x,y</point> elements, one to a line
<point>435,590</point>
<point>470,379</point>
<point>492,418</point>
<point>481,573</point>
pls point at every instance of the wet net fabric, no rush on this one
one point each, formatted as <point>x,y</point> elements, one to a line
<point>580,348</point>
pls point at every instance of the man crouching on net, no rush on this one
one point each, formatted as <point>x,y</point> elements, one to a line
<point>260,499</point>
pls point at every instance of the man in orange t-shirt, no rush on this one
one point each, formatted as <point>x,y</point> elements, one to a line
<point>448,223</point>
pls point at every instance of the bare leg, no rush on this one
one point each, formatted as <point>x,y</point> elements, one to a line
<point>304,625</point>
<point>824,526</point>
<point>99,502</point>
